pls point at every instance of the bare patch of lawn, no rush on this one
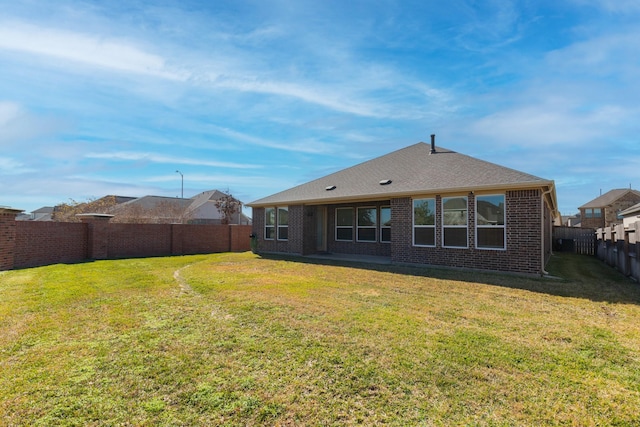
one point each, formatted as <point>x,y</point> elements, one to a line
<point>241,340</point>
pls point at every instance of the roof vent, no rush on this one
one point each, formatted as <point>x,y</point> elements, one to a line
<point>385,182</point>
<point>330,187</point>
<point>433,144</point>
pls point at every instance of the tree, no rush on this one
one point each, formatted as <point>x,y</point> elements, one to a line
<point>228,206</point>
<point>66,212</point>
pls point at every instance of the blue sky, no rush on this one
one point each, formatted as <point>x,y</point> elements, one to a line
<point>113,97</point>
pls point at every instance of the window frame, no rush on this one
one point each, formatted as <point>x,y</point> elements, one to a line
<point>446,226</point>
<point>280,226</point>
<point>385,227</point>
<point>491,226</point>
<point>344,227</point>
<point>268,225</point>
<point>373,227</point>
<point>423,226</point>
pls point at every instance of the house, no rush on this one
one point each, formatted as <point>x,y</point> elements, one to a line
<point>199,209</point>
<point>42,214</point>
<point>604,211</point>
<point>419,205</point>
<point>630,215</point>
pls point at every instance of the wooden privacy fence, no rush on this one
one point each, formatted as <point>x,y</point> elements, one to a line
<point>619,247</point>
<point>573,239</point>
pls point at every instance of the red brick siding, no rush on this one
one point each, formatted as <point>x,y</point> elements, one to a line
<point>524,234</point>
<point>354,247</point>
<point>295,242</point>
<point>523,253</point>
<point>42,243</point>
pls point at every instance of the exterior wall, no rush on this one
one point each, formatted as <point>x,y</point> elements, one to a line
<point>526,228</point>
<point>523,251</point>
<point>29,244</point>
<point>296,239</point>
<point>358,248</point>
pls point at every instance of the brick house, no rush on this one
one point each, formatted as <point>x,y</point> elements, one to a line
<point>604,211</point>
<point>420,205</point>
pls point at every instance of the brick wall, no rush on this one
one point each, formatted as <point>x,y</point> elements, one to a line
<point>42,243</point>
<point>353,247</point>
<point>523,253</point>
<point>7,237</point>
<point>29,244</point>
<point>524,235</point>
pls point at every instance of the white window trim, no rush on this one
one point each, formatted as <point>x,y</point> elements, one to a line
<point>279,226</point>
<point>455,226</point>
<point>384,226</point>
<point>270,226</point>
<point>504,227</point>
<point>344,226</point>
<point>414,226</point>
<point>374,227</point>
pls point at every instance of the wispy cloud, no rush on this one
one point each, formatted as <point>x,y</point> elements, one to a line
<point>132,156</point>
<point>110,53</point>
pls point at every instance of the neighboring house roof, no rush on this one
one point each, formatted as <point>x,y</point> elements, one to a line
<point>205,197</point>
<point>43,210</point>
<point>630,211</point>
<point>608,198</point>
<point>406,172</point>
<point>152,202</point>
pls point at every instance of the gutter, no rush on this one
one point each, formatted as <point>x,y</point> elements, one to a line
<point>544,193</point>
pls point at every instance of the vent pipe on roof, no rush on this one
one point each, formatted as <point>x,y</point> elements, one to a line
<point>433,144</point>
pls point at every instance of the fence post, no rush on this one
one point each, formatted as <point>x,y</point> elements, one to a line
<point>98,234</point>
<point>8,237</point>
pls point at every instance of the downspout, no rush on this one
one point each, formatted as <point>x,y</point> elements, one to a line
<point>542,229</point>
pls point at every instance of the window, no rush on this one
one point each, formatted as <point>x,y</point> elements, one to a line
<point>593,213</point>
<point>454,222</point>
<point>269,223</point>
<point>424,222</point>
<point>385,224</point>
<point>490,222</point>
<point>344,224</point>
<point>367,224</point>
<point>283,223</point>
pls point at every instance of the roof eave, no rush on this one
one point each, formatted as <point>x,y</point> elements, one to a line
<point>393,195</point>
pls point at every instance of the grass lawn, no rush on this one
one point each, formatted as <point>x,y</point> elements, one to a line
<point>235,339</point>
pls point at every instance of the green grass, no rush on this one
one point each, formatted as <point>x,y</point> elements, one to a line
<point>235,339</point>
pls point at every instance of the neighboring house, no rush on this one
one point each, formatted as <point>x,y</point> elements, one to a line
<point>419,205</point>
<point>630,215</point>
<point>203,209</point>
<point>199,209</point>
<point>42,214</point>
<point>571,220</point>
<point>604,211</point>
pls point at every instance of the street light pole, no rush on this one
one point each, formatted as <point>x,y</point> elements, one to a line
<point>181,184</point>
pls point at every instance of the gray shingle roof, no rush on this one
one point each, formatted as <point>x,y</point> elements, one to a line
<point>608,198</point>
<point>411,170</point>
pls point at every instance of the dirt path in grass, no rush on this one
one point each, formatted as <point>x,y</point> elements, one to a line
<point>184,286</point>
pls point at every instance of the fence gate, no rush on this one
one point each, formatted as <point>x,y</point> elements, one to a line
<point>574,239</point>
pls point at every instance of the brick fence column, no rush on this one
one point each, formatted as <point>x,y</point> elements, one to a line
<point>98,234</point>
<point>7,237</point>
